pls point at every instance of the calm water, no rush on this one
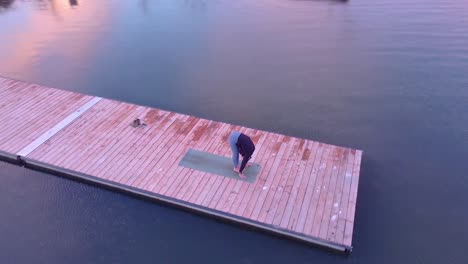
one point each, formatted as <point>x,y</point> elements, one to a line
<point>389,77</point>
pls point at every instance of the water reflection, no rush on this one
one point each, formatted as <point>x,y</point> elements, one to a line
<point>330,1</point>
<point>4,4</point>
<point>41,4</point>
<point>196,4</point>
<point>384,76</point>
<point>36,29</point>
<point>144,6</point>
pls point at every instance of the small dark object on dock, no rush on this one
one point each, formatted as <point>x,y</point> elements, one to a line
<point>137,123</point>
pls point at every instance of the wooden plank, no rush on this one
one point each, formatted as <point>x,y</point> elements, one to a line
<point>24,129</point>
<point>218,183</point>
<point>297,219</point>
<point>270,207</point>
<point>90,128</point>
<point>69,104</point>
<point>170,155</point>
<point>227,198</point>
<point>5,89</point>
<point>128,148</point>
<point>21,102</point>
<point>207,180</point>
<point>114,141</point>
<point>12,94</point>
<point>48,153</point>
<point>23,122</point>
<point>336,210</point>
<point>171,140</point>
<point>130,176</point>
<point>192,178</point>
<point>119,147</point>
<point>188,178</point>
<point>304,187</point>
<point>306,203</point>
<point>109,152</point>
<point>259,212</point>
<point>245,189</point>
<point>181,181</point>
<point>8,82</point>
<point>154,152</point>
<point>13,118</point>
<point>312,227</point>
<point>16,97</point>
<point>285,185</point>
<point>225,183</point>
<point>348,235</point>
<point>331,191</point>
<point>54,130</point>
<point>207,196</point>
<point>293,206</point>
<point>58,146</point>
<point>106,125</point>
<point>230,183</point>
<point>317,201</point>
<point>339,236</point>
<point>248,206</point>
<point>201,184</point>
<point>126,173</point>
<point>267,212</point>
<point>293,179</point>
<point>24,91</point>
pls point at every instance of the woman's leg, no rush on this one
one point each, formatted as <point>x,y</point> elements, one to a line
<point>235,151</point>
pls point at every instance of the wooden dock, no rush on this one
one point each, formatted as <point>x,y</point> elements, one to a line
<point>305,189</point>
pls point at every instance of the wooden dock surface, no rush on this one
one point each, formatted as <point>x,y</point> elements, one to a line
<point>304,187</point>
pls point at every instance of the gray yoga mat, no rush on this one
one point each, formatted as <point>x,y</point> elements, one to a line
<point>219,165</point>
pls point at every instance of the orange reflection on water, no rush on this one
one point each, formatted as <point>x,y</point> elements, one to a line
<point>58,23</point>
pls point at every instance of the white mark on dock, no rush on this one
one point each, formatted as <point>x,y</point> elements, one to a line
<point>54,130</point>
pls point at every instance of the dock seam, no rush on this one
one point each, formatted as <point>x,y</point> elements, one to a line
<point>58,127</point>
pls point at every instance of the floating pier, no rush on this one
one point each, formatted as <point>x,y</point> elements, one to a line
<point>296,188</point>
